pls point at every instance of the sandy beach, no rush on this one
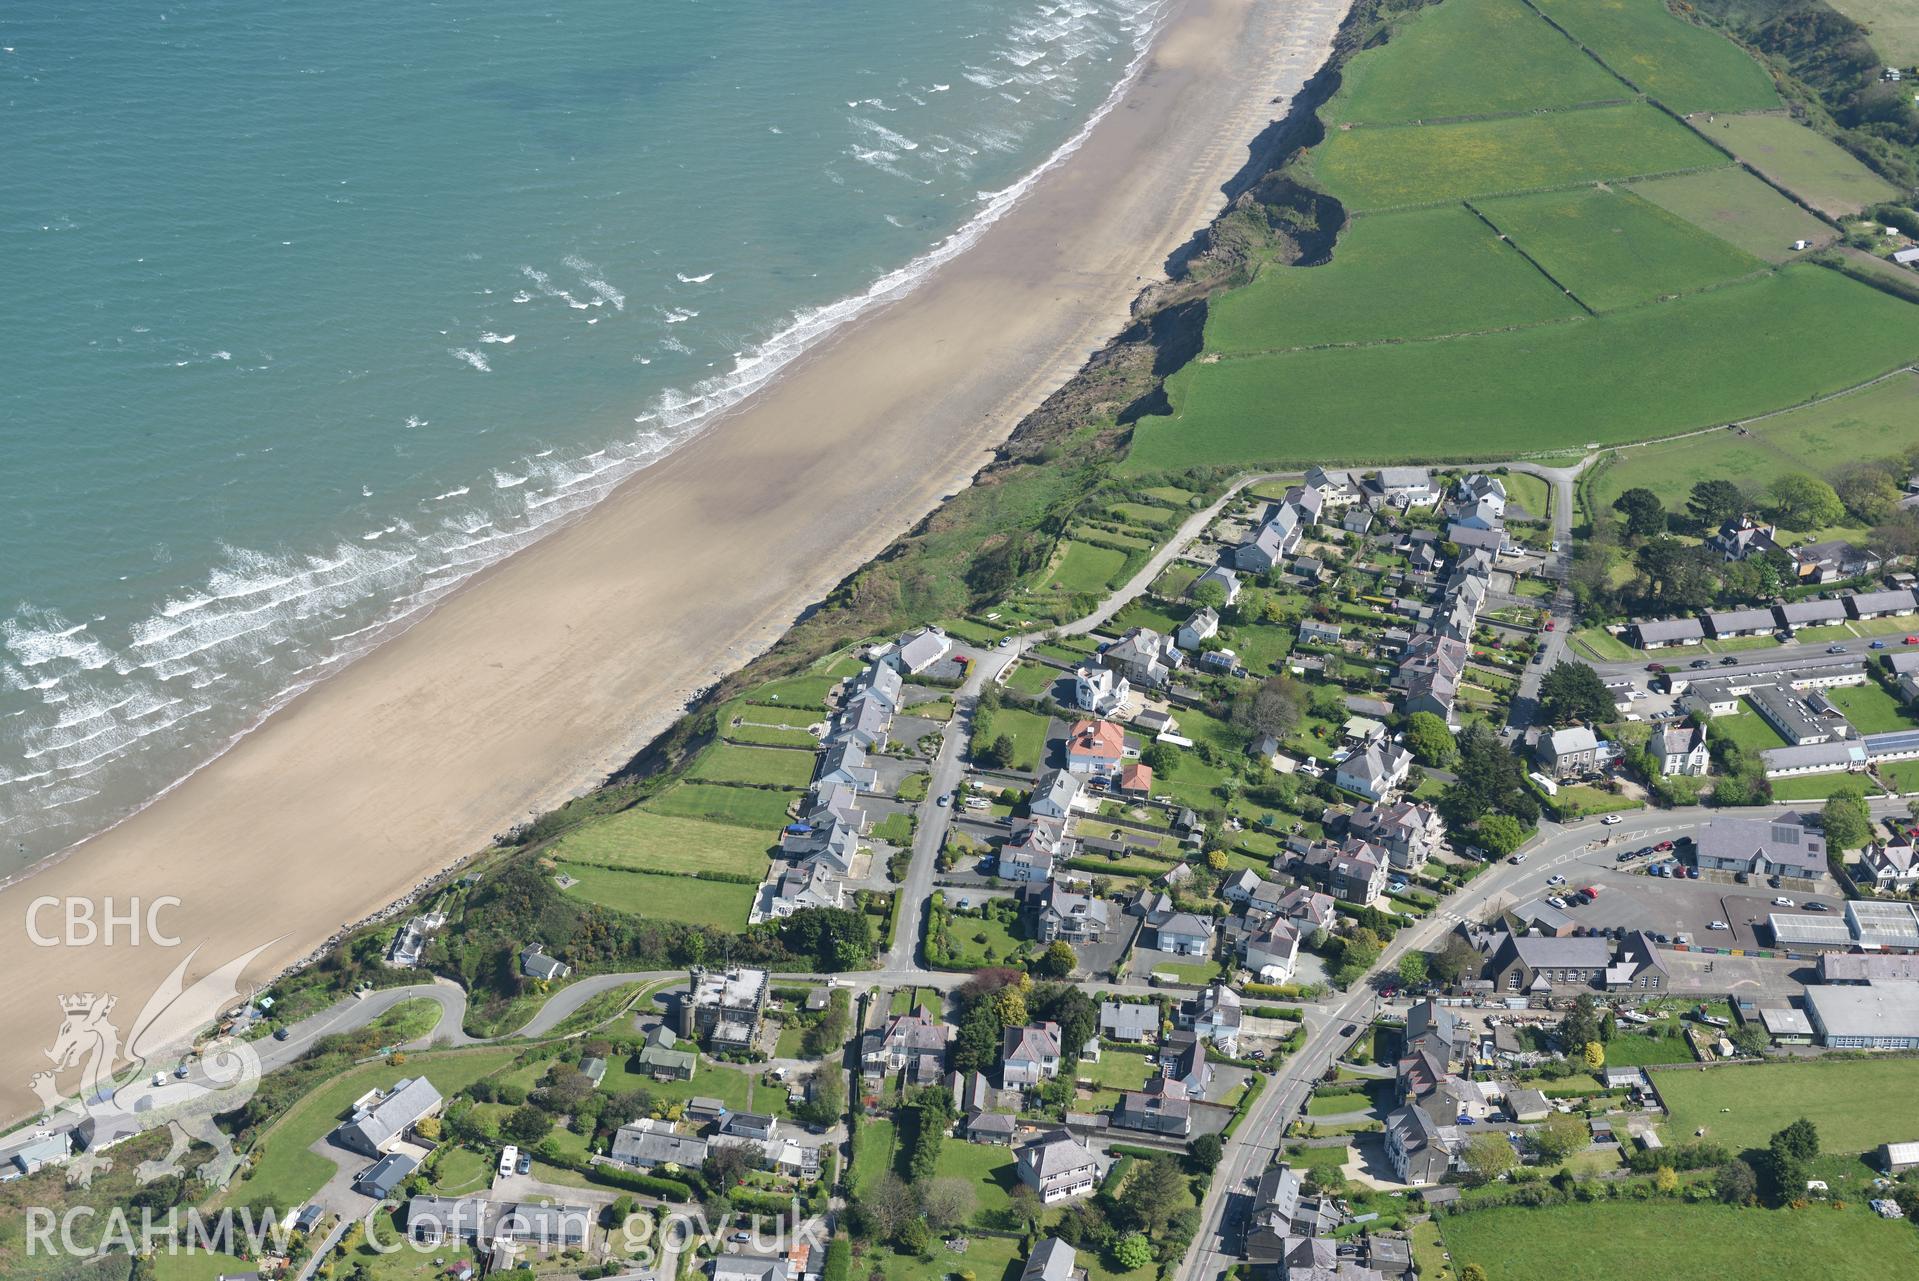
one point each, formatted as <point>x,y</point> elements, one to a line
<point>555,666</point>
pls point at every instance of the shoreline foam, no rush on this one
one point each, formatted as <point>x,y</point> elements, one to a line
<point>587,644</point>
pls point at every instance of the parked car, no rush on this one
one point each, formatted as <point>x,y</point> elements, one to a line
<point>1910,640</point>
<point>1611,819</point>
<point>945,800</point>
<point>1877,645</point>
<point>1517,859</point>
<point>1818,907</point>
<point>1729,661</point>
<point>1655,667</point>
<point>525,1164</point>
<point>1719,925</point>
<point>1835,649</point>
<point>281,1034</point>
<point>1692,873</point>
<point>1555,879</point>
<point>1782,901</point>
<point>1700,662</point>
<point>1744,878</point>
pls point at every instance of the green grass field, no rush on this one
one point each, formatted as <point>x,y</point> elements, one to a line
<point>1894,25</point>
<point>1818,170</point>
<point>746,731</point>
<point>1871,709</point>
<point>754,807</point>
<point>721,904</point>
<point>1686,67</point>
<point>1749,729</point>
<point>1085,568</point>
<point>728,763</point>
<point>1148,514</point>
<point>1873,422</point>
<point>1708,358</point>
<point>1396,166</point>
<point>1469,280</point>
<point>1813,787</point>
<point>1607,1240</point>
<point>1742,1107</point>
<point>1613,249</point>
<point>1737,207</point>
<point>649,842</point>
<point>1518,62</point>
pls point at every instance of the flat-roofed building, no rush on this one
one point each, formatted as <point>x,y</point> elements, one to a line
<point>1876,1016</point>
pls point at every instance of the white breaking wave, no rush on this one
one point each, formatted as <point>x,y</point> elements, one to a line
<point>490,336</point>
<point>471,357</point>
<point>693,280</point>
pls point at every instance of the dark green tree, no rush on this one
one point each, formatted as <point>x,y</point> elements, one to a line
<point>1714,502</point>
<point>1573,691</point>
<point>1643,511</point>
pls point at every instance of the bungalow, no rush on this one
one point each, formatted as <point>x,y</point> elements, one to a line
<point>1833,560</point>
<point>1886,604</point>
<point>1725,624</point>
<point>1314,632</point>
<point>1358,519</point>
<point>1099,691</point>
<point>1095,748</point>
<point>1057,1166</point>
<point>1129,1021</point>
<point>536,964</point>
<point>1811,613</point>
<point>648,1144</point>
<point>919,650</point>
<point>1135,780</point>
<point>379,1122</point>
<point>663,1058</point>
<point>1659,633</point>
<point>1405,486</point>
<point>1375,772</point>
<point>1053,1260</point>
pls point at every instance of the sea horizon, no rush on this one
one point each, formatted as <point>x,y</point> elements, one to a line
<point>143,643</point>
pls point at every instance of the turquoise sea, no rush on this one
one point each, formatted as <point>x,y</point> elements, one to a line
<point>314,310</point>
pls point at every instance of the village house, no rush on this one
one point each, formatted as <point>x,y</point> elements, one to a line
<point>1201,626</point>
<point>1160,1108</point>
<point>1134,1022</point>
<point>1184,934</point>
<point>1891,867</point>
<point>1376,771</point>
<point>724,1008</point>
<point>1029,1055</point>
<point>1059,794</point>
<point>1215,1016</point>
<point>1272,951</point>
<point>1227,579</point>
<point>380,1122</point>
<point>1144,657</point>
<point>1098,690</point>
<point>903,1041</point>
<point>1095,748</point>
<point>648,1144</point>
<point>919,650</point>
<point>1570,752</point>
<point>536,964</point>
<point>1410,831</point>
<point>1059,913</point>
<point>1354,870</point>
<point>1681,749</point>
<point>1058,1167</point>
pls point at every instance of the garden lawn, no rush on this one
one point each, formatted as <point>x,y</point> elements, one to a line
<point>1471,280</point>
<point>1811,166</point>
<point>1870,708</point>
<point>1872,422</point>
<point>1613,249</point>
<point>1086,568</point>
<point>986,1168</point>
<point>1117,1070</point>
<point>1607,1240</point>
<point>1845,1098</point>
<point>1707,358</point>
<point>199,1265</point>
<point>1901,776</point>
<point>1035,679</point>
<point>721,904</point>
<point>1737,207</point>
<point>728,763</point>
<point>1392,166</point>
<point>1686,67</point>
<point>1526,490</point>
<point>1026,729</point>
<point>651,842</point>
<point>806,690</point>
<point>872,1153</point>
<point>1147,514</point>
<point>1749,729</point>
<point>287,1175</point>
<point>755,807</point>
<point>1519,63</point>
<point>747,731</point>
<point>1817,787</point>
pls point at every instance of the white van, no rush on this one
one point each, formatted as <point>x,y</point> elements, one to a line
<point>509,1157</point>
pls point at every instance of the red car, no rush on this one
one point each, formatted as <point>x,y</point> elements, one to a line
<point>1655,667</point>
<point>1550,625</point>
<point>1910,640</point>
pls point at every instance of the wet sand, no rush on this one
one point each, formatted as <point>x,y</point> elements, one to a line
<point>554,667</point>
